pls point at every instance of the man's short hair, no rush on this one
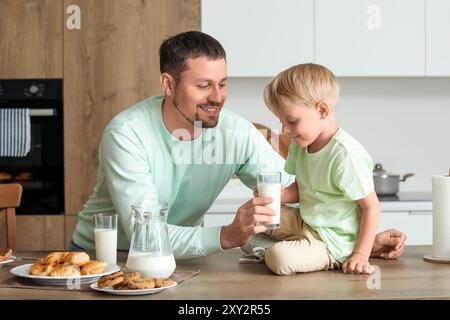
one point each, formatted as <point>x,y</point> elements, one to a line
<point>175,51</point>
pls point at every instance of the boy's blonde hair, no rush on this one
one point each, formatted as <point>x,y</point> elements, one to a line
<point>307,84</point>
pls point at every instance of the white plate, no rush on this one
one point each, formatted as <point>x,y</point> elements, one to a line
<point>137,292</point>
<point>24,272</point>
<point>7,261</point>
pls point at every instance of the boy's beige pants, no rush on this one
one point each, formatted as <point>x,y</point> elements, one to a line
<point>301,249</point>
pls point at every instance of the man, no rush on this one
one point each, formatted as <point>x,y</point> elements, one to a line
<point>183,149</point>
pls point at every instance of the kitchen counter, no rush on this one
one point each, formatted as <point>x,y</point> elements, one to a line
<point>236,194</point>
<point>222,277</point>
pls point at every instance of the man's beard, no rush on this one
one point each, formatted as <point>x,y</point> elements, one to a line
<point>210,122</point>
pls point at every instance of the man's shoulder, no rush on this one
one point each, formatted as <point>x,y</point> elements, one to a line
<point>134,116</point>
<point>231,120</point>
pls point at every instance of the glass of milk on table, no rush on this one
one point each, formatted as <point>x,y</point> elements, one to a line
<point>150,252</point>
<point>105,229</point>
<point>269,185</point>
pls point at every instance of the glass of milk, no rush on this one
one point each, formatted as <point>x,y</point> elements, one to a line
<point>150,252</point>
<point>105,229</point>
<point>269,185</point>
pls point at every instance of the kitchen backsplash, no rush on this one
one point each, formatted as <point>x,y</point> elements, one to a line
<point>404,123</point>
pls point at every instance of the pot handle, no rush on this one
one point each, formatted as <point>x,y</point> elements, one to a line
<point>405,176</point>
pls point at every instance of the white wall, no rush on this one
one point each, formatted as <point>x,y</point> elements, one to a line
<point>404,123</point>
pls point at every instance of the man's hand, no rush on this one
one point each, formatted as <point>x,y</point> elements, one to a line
<point>389,244</point>
<point>248,221</point>
<point>357,263</point>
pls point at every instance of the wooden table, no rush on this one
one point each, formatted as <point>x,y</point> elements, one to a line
<point>222,277</point>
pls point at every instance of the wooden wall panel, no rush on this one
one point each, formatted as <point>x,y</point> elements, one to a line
<point>110,64</point>
<point>40,232</point>
<point>31,39</point>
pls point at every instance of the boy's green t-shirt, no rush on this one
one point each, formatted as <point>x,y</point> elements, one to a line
<point>330,183</point>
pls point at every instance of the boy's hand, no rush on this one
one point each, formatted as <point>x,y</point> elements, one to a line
<point>357,263</point>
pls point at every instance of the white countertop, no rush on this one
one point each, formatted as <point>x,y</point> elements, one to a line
<point>236,194</point>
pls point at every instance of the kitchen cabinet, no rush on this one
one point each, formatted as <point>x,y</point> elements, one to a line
<point>111,63</point>
<point>417,225</point>
<point>261,37</point>
<point>371,37</point>
<point>438,35</point>
<point>40,232</point>
<point>31,39</point>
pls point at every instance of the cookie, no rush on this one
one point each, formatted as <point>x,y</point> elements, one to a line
<point>159,283</point>
<point>111,279</point>
<point>141,283</point>
<point>130,277</point>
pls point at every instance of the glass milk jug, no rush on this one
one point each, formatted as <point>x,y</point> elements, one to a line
<point>150,252</point>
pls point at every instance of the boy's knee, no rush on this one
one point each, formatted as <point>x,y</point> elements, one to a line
<point>277,260</point>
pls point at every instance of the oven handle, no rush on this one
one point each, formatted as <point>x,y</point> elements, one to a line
<point>42,112</point>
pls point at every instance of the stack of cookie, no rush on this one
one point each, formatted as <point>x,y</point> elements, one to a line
<point>132,281</point>
<point>63,264</point>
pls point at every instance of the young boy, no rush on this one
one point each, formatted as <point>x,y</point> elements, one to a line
<point>339,210</point>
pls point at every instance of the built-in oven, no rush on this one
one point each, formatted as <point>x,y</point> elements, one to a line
<point>41,171</point>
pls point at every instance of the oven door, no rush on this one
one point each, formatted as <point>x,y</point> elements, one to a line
<point>40,172</point>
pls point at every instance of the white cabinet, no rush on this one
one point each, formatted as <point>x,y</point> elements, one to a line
<point>371,37</point>
<point>438,37</point>
<point>261,37</point>
<point>417,225</point>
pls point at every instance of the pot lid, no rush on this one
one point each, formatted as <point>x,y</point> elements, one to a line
<point>378,171</point>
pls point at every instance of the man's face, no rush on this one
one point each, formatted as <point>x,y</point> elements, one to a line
<point>202,90</point>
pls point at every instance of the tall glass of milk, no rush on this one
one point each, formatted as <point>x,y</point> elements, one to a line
<point>105,229</point>
<point>150,252</point>
<point>269,185</point>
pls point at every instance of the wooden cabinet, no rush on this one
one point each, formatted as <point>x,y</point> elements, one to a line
<point>111,63</point>
<point>40,232</point>
<point>438,37</point>
<point>261,37</point>
<point>31,39</point>
<point>371,37</point>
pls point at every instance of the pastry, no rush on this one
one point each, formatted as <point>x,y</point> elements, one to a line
<point>93,267</point>
<point>24,176</point>
<point>54,258</point>
<point>76,258</point>
<point>65,271</point>
<point>37,268</point>
<point>5,176</point>
<point>7,255</point>
<point>63,264</point>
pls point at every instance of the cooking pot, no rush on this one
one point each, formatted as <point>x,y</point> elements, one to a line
<point>387,183</point>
